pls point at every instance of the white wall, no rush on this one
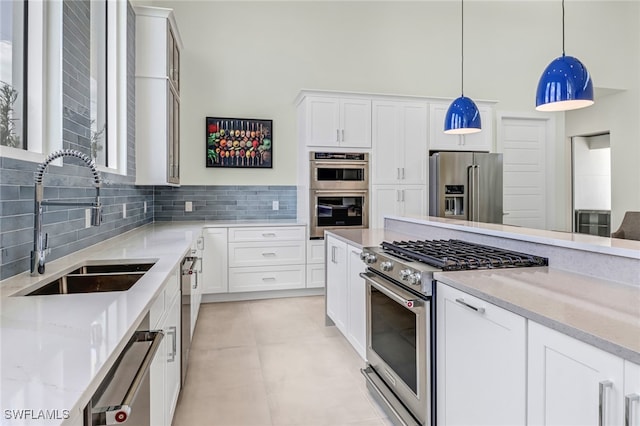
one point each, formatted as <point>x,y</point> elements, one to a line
<point>250,59</point>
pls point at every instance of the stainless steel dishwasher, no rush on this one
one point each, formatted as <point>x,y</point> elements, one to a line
<point>188,283</point>
<point>123,395</point>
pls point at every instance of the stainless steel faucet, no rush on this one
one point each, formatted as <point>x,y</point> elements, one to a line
<point>40,241</point>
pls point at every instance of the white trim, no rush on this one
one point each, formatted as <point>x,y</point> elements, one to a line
<point>52,93</point>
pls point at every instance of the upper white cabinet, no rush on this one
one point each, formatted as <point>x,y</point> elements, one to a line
<point>440,141</point>
<point>569,380</point>
<point>332,121</point>
<point>397,200</point>
<point>158,46</point>
<point>481,362</point>
<point>399,141</point>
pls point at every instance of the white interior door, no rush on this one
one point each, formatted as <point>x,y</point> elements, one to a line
<point>524,143</point>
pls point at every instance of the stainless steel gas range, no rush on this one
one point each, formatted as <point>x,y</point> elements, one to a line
<point>400,370</point>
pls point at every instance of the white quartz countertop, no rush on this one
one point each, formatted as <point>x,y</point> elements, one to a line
<point>366,237</point>
<point>602,313</point>
<point>592,243</point>
<point>55,350</point>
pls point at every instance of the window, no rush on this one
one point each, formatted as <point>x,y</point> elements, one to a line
<point>98,83</point>
<point>12,70</point>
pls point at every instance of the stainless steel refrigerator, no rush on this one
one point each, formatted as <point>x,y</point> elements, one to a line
<point>466,185</point>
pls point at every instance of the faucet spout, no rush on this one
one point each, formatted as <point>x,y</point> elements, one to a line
<point>40,240</point>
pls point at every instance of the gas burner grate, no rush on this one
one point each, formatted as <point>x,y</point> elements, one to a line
<point>457,255</point>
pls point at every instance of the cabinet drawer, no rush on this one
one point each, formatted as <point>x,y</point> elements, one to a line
<point>268,254</point>
<point>266,278</point>
<point>266,234</point>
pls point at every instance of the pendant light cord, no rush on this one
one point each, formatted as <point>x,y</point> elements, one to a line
<point>462,47</point>
<point>562,27</point>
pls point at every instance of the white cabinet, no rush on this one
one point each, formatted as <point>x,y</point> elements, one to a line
<point>165,371</point>
<point>440,141</point>
<point>331,121</point>
<point>399,142</point>
<point>345,292</point>
<point>569,380</point>
<point>158,46</point>
<point>214,261</point>
<point>356,302</point>
<point>481,362</point>
<point>336,285</point>
<point>632,393</point>
<point>400,200</point>
<point>266,258</point>
<point>315,263</point>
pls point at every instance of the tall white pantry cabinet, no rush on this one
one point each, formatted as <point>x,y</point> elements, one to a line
<point>158,46</point>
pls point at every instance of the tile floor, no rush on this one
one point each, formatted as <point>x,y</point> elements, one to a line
<point>273,362</point>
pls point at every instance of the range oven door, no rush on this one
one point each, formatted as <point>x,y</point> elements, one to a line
<point>337,210</point>
<point>398,349</point>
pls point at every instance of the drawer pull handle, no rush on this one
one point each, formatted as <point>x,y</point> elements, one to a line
<point>462,302</point>
<point>268,254</point>
<point>628,402</point>
<point>602,406</point>
<point>269,234</point>
<point>268,278</point>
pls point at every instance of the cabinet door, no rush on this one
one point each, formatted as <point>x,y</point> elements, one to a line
<point>323,121</point>
<point>481,141</point>
<point>413,151</point>
<point>438,139</point>
<point>414,200</point>
<point>173,350</point>
<point>632,393</point>
<point>315,276</point>
<point>480,361</point>
<point>214,261</point>
<point>387,150</point>
<point>565,377</point>
<point>355,123</point>
<point>385,200</point>
<point>336,285</point>
<point>356,299</point>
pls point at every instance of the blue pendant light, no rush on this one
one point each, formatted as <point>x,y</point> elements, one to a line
<point>565,84</point>
<point>462,116</point>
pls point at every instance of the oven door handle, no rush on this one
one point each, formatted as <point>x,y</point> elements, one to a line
<point>342,192</point>
<point>394,295</point>
<point>341,164</point>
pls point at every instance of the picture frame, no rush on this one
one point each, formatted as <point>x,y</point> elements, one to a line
<point>238,142</point>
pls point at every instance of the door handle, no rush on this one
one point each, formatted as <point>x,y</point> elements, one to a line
<point>462,302</point>
<point>602,406</point>
<point>172,355</point>
<point>629,400</point>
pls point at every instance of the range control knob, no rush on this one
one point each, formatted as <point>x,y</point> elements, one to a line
<point>386,266</point>
<point>371,258</point>
<point>363,256</point>
<point>414,278</point>
<point>404,274</point>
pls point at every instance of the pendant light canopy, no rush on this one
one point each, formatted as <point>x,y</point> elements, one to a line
<point>462,116</point>
<point>565,84</point>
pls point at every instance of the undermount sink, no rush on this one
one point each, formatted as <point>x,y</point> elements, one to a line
<point>95,277</point>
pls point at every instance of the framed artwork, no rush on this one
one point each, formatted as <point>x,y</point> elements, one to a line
<point>239,142</point>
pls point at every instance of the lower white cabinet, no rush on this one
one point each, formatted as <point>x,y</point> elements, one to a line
<point>569,380</point>
<point>165,371</point>
<point>263,278</point>
<point>401,200</point>
<point>481,362</point>
<point>315,263</point>
<point>345,292</point>
<point>214,261</point>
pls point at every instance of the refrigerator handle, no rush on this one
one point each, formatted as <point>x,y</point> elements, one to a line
<point>470,192</point>
<point>476,183</point>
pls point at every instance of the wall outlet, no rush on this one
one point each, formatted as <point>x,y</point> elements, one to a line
<point>275,205</point>
<point>124,210</point>
<point>144,206</point>
<point>87,218</point>
<point>188,206</point>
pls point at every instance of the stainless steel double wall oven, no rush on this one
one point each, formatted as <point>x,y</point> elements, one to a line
<point>339,191</point>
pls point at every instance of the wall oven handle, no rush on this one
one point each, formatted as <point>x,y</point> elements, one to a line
<point>407,303</point>
<point>462,302</point>
<point>339,192</point>
<point>118,414</point>
<point>340,165</point>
